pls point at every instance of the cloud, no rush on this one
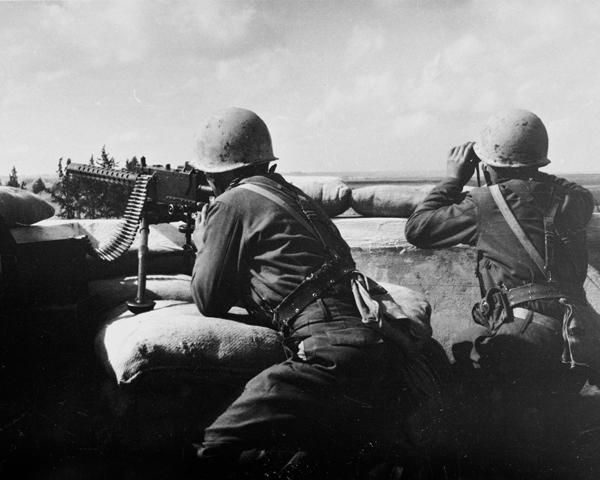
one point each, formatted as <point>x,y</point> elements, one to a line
<point>383,68</point>
<point>263,68</point>
<point>209,28</point>
<point>413,124</point>
<point>126,137</point>
<point>367,91</point>
<point>464,55</point>
<point>92,50</point>
<point>132,32</point>
<point>419,4</point>
<point>223,22</point>
<point>364,41</point>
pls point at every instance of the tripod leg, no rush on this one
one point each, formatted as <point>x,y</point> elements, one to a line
<point>141,304</point>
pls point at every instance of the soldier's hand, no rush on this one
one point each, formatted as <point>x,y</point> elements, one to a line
<point>462,162</point>
<point>198,234</point>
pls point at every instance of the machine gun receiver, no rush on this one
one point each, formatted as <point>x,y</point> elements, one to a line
<point>159,195</point>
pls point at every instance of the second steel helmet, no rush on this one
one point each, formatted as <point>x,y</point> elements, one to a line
<point>515,138</point>
<point>230,139</point>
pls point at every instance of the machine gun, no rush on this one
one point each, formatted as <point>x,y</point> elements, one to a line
<point>159,195</point>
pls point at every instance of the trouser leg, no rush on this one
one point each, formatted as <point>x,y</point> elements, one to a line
<point>282,404</point>
<point>319,403</point>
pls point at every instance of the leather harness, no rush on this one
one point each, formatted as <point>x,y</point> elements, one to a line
<point>314,285</point>
<point>536,291</point>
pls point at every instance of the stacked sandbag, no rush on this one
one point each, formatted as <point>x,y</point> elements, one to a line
<point>389,200</point>
<point>113,292</point>
<point>173,371</point>
<point>19,207</point>
<point>415,306</point>
<point>331,193</point>
<point>174,341</point>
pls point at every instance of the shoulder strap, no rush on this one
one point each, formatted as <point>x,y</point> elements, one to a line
<point>279,201</point>
<point>330,239</point>
<point>518,231</point>
<point>549,233</point>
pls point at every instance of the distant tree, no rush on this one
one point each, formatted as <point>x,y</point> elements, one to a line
<point>13,179</point>
<point>91,193</point>
<point>132,165</point>
<point>80,197</point>
<point>66,193</point>
<point>38,186</point>
<point>23,185</point>
<point>115,196</point>
<point>101,199</point>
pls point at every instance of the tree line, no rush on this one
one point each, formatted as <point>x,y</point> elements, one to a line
<point>13,181</point>
<point>78,197</point>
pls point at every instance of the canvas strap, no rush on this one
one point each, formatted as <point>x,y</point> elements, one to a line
<point>314,285</point>
<point>518,230</point>
<point>283,204</point>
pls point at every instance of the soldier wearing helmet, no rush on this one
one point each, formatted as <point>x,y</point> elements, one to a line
<point>265,245</point>
<point>516,340</point>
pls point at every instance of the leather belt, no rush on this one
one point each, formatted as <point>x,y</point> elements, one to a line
<point>534,317</point>
<point>536,291</point>
<point>307,292</point>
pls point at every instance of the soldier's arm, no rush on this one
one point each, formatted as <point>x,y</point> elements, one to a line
<point>581,195</point>
<point>215,277</point>
<point>447,216</point>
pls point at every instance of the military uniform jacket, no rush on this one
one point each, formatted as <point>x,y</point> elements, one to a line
<point>255,252</point>
<point>448,216</point>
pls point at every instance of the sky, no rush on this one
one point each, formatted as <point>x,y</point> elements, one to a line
<point>343,85</point>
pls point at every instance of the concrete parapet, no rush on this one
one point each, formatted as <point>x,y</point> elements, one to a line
<point>446,276</point>
<point>380,249</point>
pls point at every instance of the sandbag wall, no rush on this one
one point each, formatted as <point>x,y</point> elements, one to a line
<point>385,200</point>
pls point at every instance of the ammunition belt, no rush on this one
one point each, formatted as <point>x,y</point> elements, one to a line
<point>125,232</point>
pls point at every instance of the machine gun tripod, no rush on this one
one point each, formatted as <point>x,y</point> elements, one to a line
<point>159,195</point>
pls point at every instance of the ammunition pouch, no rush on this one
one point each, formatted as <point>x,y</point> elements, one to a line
<point>493,309</point>
<point>581,332</point>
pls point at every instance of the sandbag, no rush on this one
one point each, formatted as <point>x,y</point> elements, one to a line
<point>331,193</point>
<point>175,340</point>
<point>175,343</point>
<point>173,371</point>
<point>19,207</point>
<point>116,291</point>
<point>414,304</point>
<point>388,200</point>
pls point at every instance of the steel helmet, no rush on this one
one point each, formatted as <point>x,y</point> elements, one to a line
<point>515,138</point>
<point>232,138</point>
